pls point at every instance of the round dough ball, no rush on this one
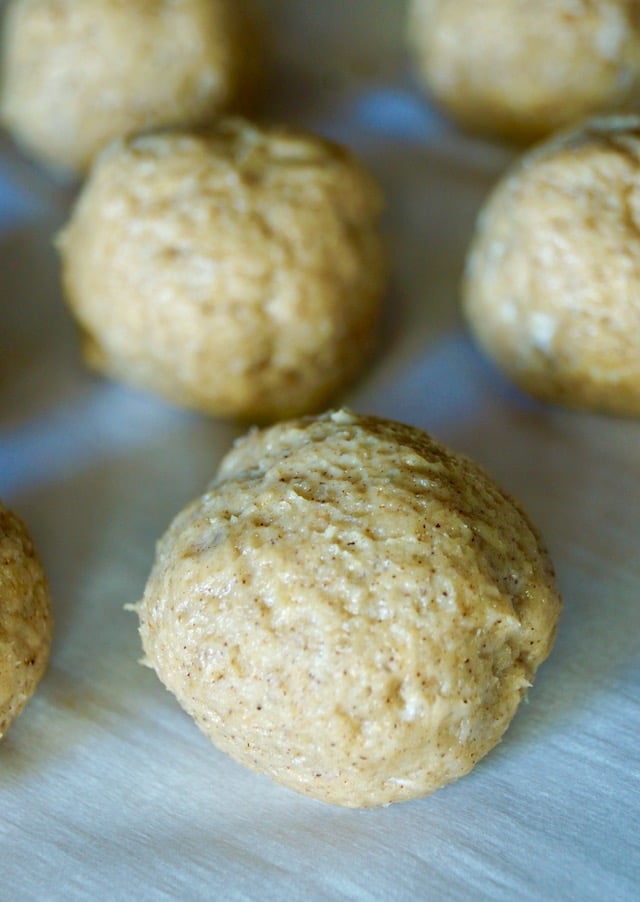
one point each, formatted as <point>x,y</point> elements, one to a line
<point>552,284</point>
<point>25,618</point>
<point>519,70</point>
<point>238,271</point>
<point>350,608</point>
<point>78,74</point>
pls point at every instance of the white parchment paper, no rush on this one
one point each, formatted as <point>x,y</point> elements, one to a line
<point>107,790</point>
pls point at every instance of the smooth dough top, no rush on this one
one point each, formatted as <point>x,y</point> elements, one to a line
<point>350,608</point>
<point>552,284</point>
<point>239,270</point>
<point>25,618</point>
<point>78,74</point>
<point>519,69</point>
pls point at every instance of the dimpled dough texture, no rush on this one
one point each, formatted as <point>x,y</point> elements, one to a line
<point>350,608</point>
<point>519,69</point>
<point>552,284</point>
<point>25,618</point>
<point>238,271</point>
<point>78,74</point>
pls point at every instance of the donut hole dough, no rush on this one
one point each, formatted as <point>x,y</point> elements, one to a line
<point>350,608</point>
<point>78,74</point>
<point>517,69</point>
<point>238,271</point>
<point>25,618</point>
<point>552,283</point>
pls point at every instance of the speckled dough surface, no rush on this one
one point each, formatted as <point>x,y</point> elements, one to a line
<point>552,285</point>
<point>520,70</point>
<point>76,75</point>
<point>25,618</point>
<point>351,609</point>
<point>238,271</point>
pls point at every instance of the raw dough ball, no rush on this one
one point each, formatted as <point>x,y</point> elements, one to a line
<point>238,271</point>
<point>25,618</point>
<point>350,608</point>
<point>518,69</point>
<point>552,287</point>
<point>78,74</point>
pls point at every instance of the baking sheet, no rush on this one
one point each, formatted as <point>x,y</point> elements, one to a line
<point>107,789</point>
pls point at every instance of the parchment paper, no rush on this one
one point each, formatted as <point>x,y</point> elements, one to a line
<point>107,790</point>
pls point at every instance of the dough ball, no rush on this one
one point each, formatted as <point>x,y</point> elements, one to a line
<point>350,608</point>
<point>518,69</point>
<point>238,271</point>
<point>78,74</point>
<point>552,286</point>
<point>25,618</point>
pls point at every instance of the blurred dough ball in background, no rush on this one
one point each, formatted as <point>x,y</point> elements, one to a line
<point>350,608</point>
<point>78,74</point>
<point>552,283</point>
<point>517,69</point>
<point>25,618</point>
<point>238,270</point>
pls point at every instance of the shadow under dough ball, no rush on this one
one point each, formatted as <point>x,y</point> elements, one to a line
<point>350,608</point>
<point>78,74</point>
<point>25,618</point>
<point>239,271</point>
<point>552,282</point>
<point>520,70</point>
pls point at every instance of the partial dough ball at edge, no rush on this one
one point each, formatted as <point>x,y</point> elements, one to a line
<point>520,71</point>
<point>25,618</point>
<point>142,64</point>
<point>552,277</point>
